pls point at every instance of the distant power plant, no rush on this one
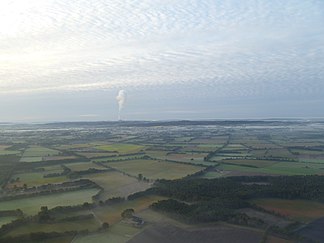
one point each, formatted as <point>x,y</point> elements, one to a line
<point>121,99</point>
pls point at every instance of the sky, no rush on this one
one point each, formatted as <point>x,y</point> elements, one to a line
<point>175,59</point>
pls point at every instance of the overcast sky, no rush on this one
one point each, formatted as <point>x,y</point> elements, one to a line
<point>176,59</point>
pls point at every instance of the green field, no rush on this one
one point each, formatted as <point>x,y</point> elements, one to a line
<point>159,154</point>
<point>283,153</point>
<point>32,205</point>
<point>307,160</point>
<point>92,155</point>
<point>122,148</point>
<point>280,168</point>
<point>200,148</point>
<point>251,162</point>
<point>260,144</point>
<point>212,175</point>
<point>112,214</point>
<point>258,153</point>
<point>154,169</point>
<point>116,184</point>
<point>75,146</point>
<point>118,233</point>
<point>129,148</point>
<point>84,166</point>
<point>63,239</point>
<point>187,157</point>
<point>4,150</point>
<point>38,151</point>
<point>6,220</point>
<point>8,152</point>
<point>58,157</point>
<point>53,169</point>
<point>36,154</point>
<point>31,159</point>
<point>307,152</point>
<point>90,224</point>
<point>182,139</point>
<point>36,179</point>
<point>212,140</point>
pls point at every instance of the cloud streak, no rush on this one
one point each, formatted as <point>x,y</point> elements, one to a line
<point>244,48</point>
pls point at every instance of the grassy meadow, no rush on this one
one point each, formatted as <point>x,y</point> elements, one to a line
<point>116,184</point>
<point>155,169</point>
<point>32,205</point>
<point>296,209</point>
<point>122,148</point>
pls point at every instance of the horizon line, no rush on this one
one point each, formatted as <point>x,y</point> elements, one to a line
<point>165,120</point>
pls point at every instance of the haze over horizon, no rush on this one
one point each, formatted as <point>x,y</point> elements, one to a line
<point>185,59</point>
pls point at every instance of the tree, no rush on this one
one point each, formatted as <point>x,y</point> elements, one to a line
<point>140,177</point>
<point>86,205</point>
<point>44,209</point>
<point>43,215</point>
<point>105,226</point>
<point>128,213</point>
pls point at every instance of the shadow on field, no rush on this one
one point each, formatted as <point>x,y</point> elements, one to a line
<point>314,230</point>
<point>162,233</point>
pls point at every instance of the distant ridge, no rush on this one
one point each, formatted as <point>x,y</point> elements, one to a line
<point>179,123</point>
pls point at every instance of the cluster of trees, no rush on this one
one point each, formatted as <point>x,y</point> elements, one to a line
<point>111,201</point>
<point>14,224</point>
<point>202,172</point>
<point>74,208</point>
<point>140,177</point>
<point>66,171</point>
<point>127,213</point>
<point>219,199</point>
<point>44,215</point>
<point>118,159</point>
<point>285,187</point>
<point>202,211</point>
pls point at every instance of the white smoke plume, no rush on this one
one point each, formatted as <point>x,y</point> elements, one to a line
<point>121,99</point>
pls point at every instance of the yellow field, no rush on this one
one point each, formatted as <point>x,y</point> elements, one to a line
<point>297,209</point>
<point>112,214</point>
<point>84,166</point>
<point>116,184</point>
<point>154,169</point>
<point>122,148</point>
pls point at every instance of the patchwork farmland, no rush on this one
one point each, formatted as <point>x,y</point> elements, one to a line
<point>89,175</point>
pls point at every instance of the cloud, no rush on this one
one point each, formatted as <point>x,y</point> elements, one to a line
<point>239,48</point>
